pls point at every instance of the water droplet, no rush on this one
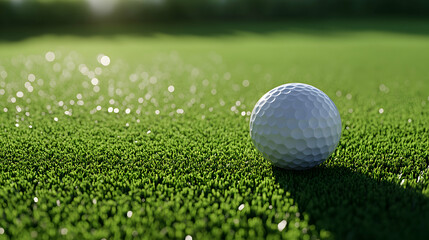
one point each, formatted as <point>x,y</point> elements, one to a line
<point>153,80</point>
<point>171,88</point>
<point>129,214</point>
<point>349,96</point>
<point>241,207</point>
<point>281,225</point>
<point>245,83</point>
<point>134,77</point>
<point>50,56</point>
<point>31,77</point>
<point>105,60</point>
<point>94,81</point>
<point>98,70</point>
<point>64,231</point>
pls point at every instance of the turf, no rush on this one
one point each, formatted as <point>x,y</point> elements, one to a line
<point>176,163</point>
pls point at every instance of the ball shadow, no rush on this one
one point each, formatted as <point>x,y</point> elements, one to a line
<point>352,205</point>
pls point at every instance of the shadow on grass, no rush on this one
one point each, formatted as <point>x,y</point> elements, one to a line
<point>325,27</point>
<point>352,205</point>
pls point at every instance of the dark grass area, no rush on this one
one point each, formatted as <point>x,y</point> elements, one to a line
<point>323,27</point>
<point>353,205</point>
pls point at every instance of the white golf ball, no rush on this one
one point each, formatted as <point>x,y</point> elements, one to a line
<point>295,126</point>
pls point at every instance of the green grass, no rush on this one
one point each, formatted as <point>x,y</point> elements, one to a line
<point>97,174</point>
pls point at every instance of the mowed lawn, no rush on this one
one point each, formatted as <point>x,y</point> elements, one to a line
<point>143,132</point>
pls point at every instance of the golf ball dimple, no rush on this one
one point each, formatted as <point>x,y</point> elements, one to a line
<point>295,126</point>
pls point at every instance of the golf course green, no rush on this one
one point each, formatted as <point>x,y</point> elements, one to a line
<point>143,132</point>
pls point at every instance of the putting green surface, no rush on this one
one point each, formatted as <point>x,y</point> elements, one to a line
<point>155,143</point>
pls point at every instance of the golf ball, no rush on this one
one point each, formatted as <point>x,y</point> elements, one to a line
<point>295,126</point>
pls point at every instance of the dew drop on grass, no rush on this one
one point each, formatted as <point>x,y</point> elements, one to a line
<point>94,81</point>
<point>245,83</point>
<point>31,77</point>
<point>241,207</point>
<point>105,60</point>
<point>50,56</point>
<point>64,231</point>
<point>171,88</point>
<point>349,96</point>
<point>281,225</point>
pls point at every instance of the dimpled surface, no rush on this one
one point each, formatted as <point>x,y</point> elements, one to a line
<point>296,126</point>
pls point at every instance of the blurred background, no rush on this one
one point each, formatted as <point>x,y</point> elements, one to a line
<point>60,12</point>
